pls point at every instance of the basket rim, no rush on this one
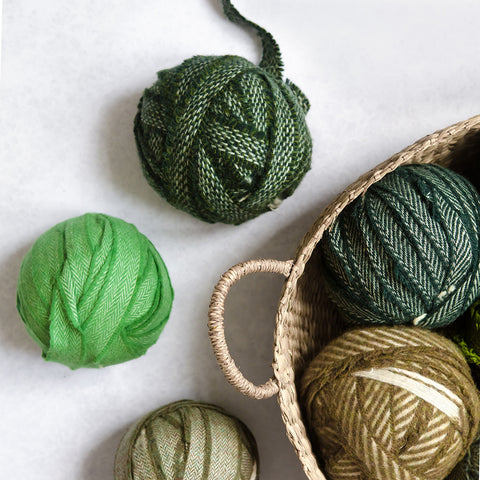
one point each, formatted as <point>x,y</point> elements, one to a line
<point>428,149</point>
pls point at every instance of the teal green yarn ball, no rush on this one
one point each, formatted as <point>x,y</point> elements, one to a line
<point>187,440</point>
<point>407,251</point>
<point>223,139</point>
<point>93,291</point>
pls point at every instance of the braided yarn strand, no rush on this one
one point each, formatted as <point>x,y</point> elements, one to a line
<point>407,251</point>
<point>93,291</point>
<point>391,403</point>
<point>271,59</point>
<point>190,441</point>
<point>222,138</point>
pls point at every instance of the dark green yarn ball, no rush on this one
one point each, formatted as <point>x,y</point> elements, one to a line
<point>187,440</point>
<point>93,291</point>
<point>407,251</point>
<point>223,139</point>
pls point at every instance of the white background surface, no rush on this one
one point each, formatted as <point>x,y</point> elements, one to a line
<point>379,75</point>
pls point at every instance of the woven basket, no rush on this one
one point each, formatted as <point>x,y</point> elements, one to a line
<point>306,319</point>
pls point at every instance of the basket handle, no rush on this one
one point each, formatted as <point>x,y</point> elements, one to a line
<point>216,327</point>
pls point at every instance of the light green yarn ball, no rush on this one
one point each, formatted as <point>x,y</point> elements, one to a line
<point>93,291</point>
<point>187,440</point>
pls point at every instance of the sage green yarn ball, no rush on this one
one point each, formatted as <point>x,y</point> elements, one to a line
<point>93,291</point>
<point>407,251</point>
<point>189,441</point>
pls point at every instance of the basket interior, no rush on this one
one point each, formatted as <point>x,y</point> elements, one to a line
<point>308,320</point>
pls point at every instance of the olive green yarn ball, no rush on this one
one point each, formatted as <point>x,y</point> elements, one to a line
<point>93,291</point>
<point>222,139</point>
<point>390,403</point>
<point>407,251</point>
<point>190,441</point>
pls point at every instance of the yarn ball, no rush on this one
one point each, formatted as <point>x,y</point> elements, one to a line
<point>221,138</point>
<point>467,333</point>
<point>190,441</point>
<point>93,291</point>
<point>468,467</point>
<point>390,403</point>
<point>407,251</point>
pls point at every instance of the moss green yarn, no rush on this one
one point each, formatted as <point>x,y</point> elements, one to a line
<point>190,441</point>
<point>407,251</point>
<point>93,291</point>
<point>467,333</point>
<point>221,138</point>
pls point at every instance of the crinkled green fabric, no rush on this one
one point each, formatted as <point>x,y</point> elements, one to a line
<point>187,440</point>
<point>407,251</point>
<point>222,138</point>
<point>93,291</point>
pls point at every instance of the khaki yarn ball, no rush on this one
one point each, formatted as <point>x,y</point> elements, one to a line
<point>187,440</point>
<point>390,403</point>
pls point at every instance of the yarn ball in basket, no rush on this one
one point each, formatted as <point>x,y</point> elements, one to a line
<point>390,403</point>
<point>221,138</point>
<point>407,251</point>
<point>93,291</point>
<point>190,441</point>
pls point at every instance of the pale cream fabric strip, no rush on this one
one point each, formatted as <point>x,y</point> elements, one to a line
<point>254,471</point>
<point>433,393</point>
<point>454,397</point>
